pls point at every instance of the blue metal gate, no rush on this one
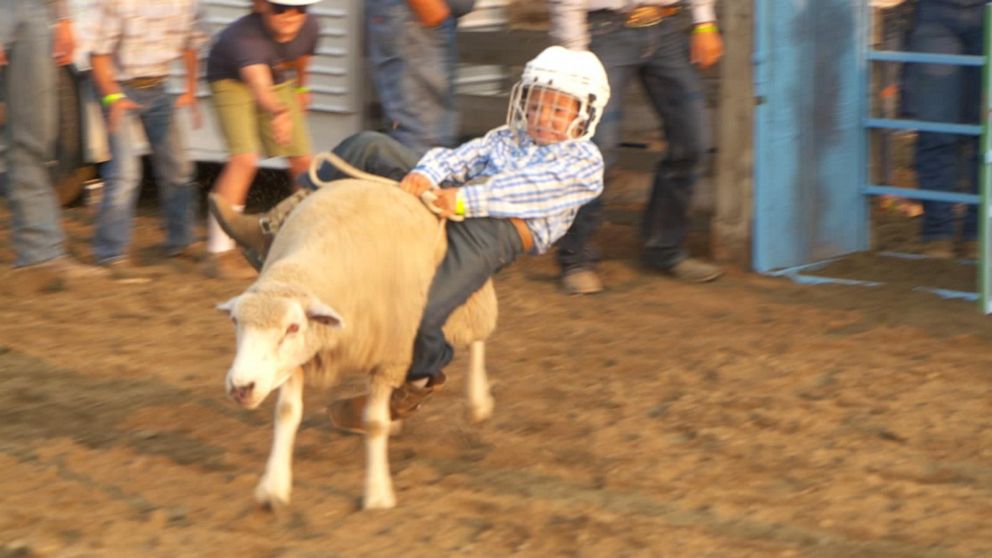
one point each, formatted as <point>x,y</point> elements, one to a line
<point>812,72</point>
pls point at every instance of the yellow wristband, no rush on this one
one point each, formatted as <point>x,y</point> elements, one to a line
<point>705,28</point>
<point>112,98</point>
<point>459,203</point>
<point>302,89</point>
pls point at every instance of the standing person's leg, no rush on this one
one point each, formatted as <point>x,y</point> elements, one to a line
<point>31,122</point>
<point>933,92</point>
<point>619,49</point>
<point>413,70</point>
<point>674,88</point>
<point>173,172</point>
<point>115,219</point>
<point>238,120</point>
<point>971,105</point>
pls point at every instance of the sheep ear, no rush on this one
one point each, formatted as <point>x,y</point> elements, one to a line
<point>228,307</point>
<point>322,313</point>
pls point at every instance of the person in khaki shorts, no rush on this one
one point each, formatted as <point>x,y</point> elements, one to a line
<point>257,71</point>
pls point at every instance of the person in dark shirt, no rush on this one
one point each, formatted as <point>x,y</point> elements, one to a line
<point>257,71</point>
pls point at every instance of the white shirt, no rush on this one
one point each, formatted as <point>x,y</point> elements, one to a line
<point>146,36</point>
<point>568,17</point>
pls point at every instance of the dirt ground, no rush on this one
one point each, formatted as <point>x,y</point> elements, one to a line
<point>748,417</point>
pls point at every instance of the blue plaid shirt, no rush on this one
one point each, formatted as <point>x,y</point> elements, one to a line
<point>508,175</point>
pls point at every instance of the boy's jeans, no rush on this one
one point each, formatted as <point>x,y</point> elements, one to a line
<point>122,177</point>
<point>659,57</point>
<point>31,128</point>
<point>942,93</point>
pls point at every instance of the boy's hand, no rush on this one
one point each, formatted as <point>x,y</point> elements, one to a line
<point>416,184</point>
<point>446,200</point>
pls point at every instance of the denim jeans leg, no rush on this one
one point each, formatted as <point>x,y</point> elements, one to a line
<point>675,91</point>
<point>937,160</point>
<point>115,219</point>
<point>173,170</point>
<point>477,248</point>
<point>31,129</point>
<point>413,70</point>
<point>618,48</point>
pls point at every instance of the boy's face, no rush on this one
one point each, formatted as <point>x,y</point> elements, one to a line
<point>284,22</point>
<point>549,115</point>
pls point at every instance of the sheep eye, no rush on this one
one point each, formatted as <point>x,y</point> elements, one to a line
<point>293,328</point>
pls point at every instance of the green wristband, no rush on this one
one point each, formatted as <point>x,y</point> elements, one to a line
<point>112,98</point>
<point>705,28</point>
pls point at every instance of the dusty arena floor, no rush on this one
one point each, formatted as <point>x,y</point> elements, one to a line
<point>748,417</point>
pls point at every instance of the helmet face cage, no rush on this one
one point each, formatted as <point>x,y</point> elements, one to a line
<point>547,114</point>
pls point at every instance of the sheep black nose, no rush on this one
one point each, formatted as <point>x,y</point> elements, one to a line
<point>242,393</point>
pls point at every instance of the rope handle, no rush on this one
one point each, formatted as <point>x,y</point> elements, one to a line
<point>428,198</point>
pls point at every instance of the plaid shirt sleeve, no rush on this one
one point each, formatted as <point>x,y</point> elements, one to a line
<point>107,28</point>
<point>566,181</point>
<point>457,165</point>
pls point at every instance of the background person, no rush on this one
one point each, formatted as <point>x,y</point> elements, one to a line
<point>134,44</point>
<point>257,70</point>
<point>647,40</point>
<point>32,33</point>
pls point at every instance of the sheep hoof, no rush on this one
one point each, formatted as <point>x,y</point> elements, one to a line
<point>271,497</point>
<point>383,501</point>
<point>481,411</point>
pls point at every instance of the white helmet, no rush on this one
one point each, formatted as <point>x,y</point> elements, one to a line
<point>577,73</point>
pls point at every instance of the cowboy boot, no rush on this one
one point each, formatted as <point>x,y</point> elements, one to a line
<point>346,414</point>
<point>254,233</point>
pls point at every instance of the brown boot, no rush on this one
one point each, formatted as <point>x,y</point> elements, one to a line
<point>346,414</point>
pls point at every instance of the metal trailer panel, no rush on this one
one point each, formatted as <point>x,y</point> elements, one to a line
<point>985,177</point>
<point>809,136</point>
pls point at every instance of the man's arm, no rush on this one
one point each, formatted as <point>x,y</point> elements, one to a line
<point>302,64</point>
<point>706,45</point>
<point>113,98</point>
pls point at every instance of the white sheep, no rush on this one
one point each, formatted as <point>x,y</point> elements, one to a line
<point>342,290</point>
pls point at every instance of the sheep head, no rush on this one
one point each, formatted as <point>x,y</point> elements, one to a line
<point>276,332</point>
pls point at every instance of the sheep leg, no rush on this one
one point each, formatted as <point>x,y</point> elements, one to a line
<point>277,482</point>
<point>378,483</point>
<point>480,401</point>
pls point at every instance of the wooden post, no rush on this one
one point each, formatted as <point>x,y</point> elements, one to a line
<point>731,228</point>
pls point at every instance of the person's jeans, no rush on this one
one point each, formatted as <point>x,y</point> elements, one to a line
<point>413,68</point>
<point>477,248</point>
<point>943,93</point>
<point>31,91</point>
<point>122,177</point>
<point>659,57</point>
